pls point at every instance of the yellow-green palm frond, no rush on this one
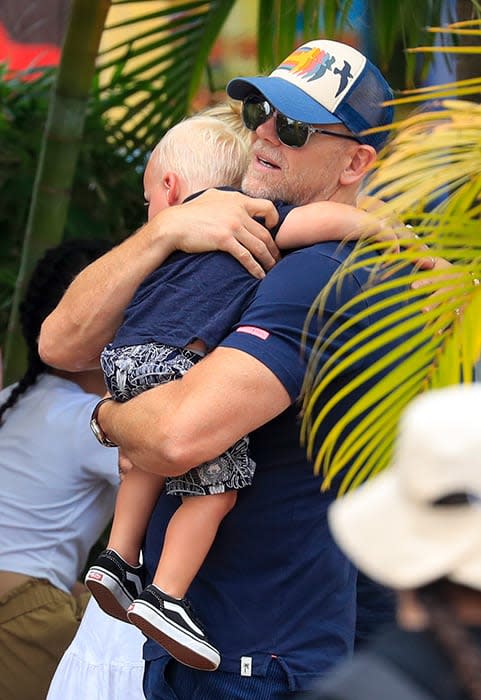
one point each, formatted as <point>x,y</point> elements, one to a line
<point>466,28</point>
<point>439,349</point>
<point>435,156</point>
<point>430,177</point>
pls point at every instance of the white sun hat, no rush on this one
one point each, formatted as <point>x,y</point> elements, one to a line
<point>421,519</point>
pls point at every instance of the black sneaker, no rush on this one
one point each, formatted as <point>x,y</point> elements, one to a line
<point>171,623</point>
<point>114,583</point>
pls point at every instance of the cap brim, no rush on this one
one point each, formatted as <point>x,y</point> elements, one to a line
<point>287,98</point>
<point>403,544</point>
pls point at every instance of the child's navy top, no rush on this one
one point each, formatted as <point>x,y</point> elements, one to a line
<point>191,295</point>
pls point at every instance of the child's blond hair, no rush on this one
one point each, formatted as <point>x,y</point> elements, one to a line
<point>208,149</point>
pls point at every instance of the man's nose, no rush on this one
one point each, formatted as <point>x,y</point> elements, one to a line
<point>267,131</point>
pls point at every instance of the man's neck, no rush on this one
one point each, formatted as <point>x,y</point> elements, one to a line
<point>345,195</point>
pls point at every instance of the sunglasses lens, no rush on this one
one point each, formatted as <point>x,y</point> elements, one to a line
<point>255,111</point>
<point>291,132</point>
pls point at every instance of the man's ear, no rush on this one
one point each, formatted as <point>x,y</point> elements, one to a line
<point>362,159</point>
<point>171,185</point>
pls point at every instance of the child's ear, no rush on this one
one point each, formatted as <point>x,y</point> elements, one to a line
<point>362,159</point>
<point>171,185</point>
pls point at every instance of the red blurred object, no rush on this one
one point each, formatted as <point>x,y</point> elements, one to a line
<point>19,56</point>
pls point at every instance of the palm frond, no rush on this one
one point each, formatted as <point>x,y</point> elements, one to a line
<point>401,24</point>
<point>151,74</point>
<point>429,177</point>
<point>438,348</point>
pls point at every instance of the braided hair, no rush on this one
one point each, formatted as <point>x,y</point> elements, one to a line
<point>52,275</point>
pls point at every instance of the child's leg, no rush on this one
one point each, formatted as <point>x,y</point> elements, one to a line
<point>161,611</point>
<point>136,498</point>
<point>189,536</point>
<point>115,578</point>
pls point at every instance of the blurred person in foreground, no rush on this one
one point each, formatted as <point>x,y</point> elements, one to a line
<point>417,529</point>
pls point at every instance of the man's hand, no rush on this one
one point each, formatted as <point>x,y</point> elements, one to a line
<point>452,279</point>
<point>92,309</point>
<point>220,220</point>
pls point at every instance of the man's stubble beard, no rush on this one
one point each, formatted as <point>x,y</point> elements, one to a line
<point>294,189</point>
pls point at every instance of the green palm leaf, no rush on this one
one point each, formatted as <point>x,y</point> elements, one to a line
<point>152,74</point>
<point>429,176</point>
<point>441,350</point>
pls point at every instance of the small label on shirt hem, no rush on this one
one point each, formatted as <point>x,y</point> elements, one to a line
<point>246,666</point>
<point>253,330</point>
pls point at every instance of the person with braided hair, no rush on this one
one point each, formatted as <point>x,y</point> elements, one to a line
<point>58,491</point>
<point>417,529</point>
<point>49,281</point>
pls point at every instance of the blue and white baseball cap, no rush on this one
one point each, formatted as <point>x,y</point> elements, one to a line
<point>326,82</point>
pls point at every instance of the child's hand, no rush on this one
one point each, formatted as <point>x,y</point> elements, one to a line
<point>383,231</point>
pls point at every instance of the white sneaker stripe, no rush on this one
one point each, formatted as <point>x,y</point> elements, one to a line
<point>174,607</point>
<point>133,578</point>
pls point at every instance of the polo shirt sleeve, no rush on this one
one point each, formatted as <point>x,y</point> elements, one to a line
<point>271,327</point>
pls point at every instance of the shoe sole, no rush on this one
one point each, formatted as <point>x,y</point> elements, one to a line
<point>180,644</point>
<point>108,593</point>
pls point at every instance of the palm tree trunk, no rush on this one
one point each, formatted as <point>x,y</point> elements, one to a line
<point>58,157</point>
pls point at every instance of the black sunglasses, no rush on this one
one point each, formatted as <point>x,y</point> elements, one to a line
<point>256,110</point>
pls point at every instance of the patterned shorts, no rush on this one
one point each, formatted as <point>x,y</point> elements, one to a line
<point>132,369</point>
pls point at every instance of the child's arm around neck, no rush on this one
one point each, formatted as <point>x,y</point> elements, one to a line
<point>325,221</point>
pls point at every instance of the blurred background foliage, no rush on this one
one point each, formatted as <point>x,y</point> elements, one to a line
<point>106,198</point>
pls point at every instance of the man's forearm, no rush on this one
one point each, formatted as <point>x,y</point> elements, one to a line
<point>92,309</point>
<point>136,427</point>
<point>175,426</point>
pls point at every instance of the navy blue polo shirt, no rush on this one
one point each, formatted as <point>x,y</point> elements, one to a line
<point>274,582</point>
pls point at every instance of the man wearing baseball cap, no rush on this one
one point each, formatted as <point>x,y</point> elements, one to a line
<point>417,529</point>
<point>277,596</point>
